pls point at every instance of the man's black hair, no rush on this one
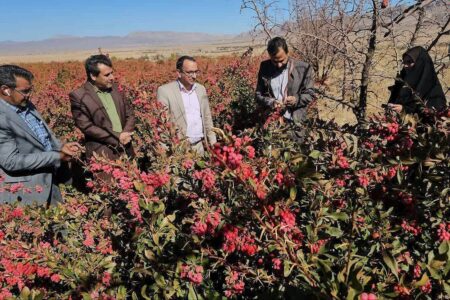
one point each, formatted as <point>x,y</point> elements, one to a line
<point>181,60</point>
<point>276,43</point>
<point>9,73</point>
<point>91,64</point>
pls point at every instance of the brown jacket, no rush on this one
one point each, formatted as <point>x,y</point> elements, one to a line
<point>91,117</point>
<point>300,85</point>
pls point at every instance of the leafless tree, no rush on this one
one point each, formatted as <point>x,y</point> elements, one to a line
<point>355,45</point>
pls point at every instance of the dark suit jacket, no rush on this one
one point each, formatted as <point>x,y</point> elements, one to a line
<point>300,85</point>
<point>91,117</point>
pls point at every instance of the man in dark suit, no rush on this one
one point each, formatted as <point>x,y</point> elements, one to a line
<point>99,110</point>
<point>30,155</point>
<point>285,82</point>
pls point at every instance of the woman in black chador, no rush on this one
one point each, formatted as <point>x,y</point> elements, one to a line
<point>417,86</point>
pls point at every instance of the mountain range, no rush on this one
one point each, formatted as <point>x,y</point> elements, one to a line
<point>131,40</point>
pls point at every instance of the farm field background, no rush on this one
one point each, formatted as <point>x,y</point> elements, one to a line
<point>351,212</point>
<point>64,76</point>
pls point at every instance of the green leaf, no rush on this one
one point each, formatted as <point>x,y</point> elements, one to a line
<point>339,216</point>
<point>139,186</point>
<point>287,269</point>
<point>86,296</point>
<point>351,293</point>
<point>37,295</point>
<point>360,191</point>
<point>293,193</point>
<point>334,231</point>
<point>443,247</point>
<point>399,176</point>
<point>390,261</point>
<point>434,274</point>
<point>201,164</point>
<point>341,277</point>
<point>160,281</point>
<point>192,294</point>
<point>437,264</point>
<point>144,293</point>
<point>447,288</point>
<point>149,255</point>
<point>25,293</point>
<point>324,265</point>
<point>422,280</point>
<point>121,293</point>
<point>315,154</point>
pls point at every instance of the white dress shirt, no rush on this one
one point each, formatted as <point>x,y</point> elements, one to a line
<point>279,85</point>
<point>194,128</point>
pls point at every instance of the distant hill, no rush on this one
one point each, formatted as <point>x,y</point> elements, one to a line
<point>132,40</point>
<point>169,39</point>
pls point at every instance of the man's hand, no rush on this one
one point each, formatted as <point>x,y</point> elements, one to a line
<point>396,107</point>
<point>290,101</point>
<point>277,104</point>
<point>125,137</point>
<point>70,150</point>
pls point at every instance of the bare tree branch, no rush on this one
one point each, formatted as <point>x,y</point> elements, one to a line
<point>407,12</point>
<point>261,10</point>
<point>442,32</point>
<point>418,27</point>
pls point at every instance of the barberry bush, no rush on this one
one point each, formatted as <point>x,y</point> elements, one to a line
<point>331,212</point>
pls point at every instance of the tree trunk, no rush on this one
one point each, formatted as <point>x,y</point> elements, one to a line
<point>365,75</point>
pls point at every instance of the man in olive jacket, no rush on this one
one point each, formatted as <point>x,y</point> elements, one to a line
<point>99,110</point>
<point>285,82</point>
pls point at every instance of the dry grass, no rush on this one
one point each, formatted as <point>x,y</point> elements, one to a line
<point>150,53</point>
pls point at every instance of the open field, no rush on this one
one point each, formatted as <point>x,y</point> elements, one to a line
<point>151,53</point>
<point>384,70</point>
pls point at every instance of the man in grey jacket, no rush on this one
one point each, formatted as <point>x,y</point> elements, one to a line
<point>284,82</point>
<point>188,105</point>
<point>30,154</point>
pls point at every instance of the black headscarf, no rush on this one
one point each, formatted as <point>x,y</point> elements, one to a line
<point>418,87</point>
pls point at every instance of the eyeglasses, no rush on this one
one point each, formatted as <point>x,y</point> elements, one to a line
<point>27,92</point>
<point>407,61</point>
<point>191,73</point>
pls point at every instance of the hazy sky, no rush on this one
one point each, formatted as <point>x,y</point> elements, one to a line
<point>26,20</point>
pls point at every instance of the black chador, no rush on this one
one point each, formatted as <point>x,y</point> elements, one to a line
<point>418,86</point>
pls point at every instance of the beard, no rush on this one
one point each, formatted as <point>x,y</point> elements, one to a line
<point>24,102</point>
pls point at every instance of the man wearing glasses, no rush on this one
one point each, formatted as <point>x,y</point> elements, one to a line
<point>188,105</point>
<point>30,155</point>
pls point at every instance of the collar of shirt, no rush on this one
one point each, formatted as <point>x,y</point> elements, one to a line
<point>98,91</point>
<point>184,90</point>
<point>17,109</point>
